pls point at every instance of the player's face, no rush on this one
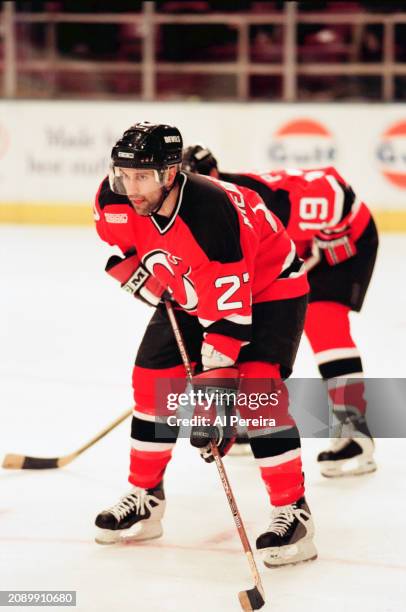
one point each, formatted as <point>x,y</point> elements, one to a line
<point>143,190</point>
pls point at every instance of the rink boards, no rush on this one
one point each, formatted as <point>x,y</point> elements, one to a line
<point>54,154</point>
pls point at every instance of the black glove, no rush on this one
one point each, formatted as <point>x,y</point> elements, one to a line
<point>214,382</point>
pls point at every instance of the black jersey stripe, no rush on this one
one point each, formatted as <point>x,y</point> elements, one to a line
<point>204,200</point>
<point>275,444</point>
<point>349,198</point>
<point>276,200</point>
<point>341,367</point>
<point>146,431</point>
<point>294,268</point>
<point>229,328</point>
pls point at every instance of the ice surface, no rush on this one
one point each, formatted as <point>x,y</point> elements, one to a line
<point>68,339</point>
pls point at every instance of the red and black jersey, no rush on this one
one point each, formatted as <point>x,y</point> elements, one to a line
<point>307,201</point>
<point>220,251</point>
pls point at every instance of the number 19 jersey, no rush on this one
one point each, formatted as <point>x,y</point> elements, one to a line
<point>307,201</point>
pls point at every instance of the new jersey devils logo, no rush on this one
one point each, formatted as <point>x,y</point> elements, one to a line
<point>174,274</point>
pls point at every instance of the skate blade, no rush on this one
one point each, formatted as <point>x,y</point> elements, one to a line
<point>338,469</point>
<point>143,532</point>
<point>290,555</point>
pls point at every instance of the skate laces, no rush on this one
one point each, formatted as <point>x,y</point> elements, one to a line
<point>138,500</point>
<point>281,519</point>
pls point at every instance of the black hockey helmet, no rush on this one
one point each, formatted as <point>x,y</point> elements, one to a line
<point>148,145</point>
<point>198,159</point>
<point>145,145</point>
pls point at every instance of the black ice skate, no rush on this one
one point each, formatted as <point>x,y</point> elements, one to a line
<point>348,457</point>
<point>289,538</point>
<point>351,455</point>
<point>137,516</point>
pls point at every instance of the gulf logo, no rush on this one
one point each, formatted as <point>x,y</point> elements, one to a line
<point>302,142</point>
<point>391,154</point>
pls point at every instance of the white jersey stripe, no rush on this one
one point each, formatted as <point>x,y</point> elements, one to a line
<point>279,459</point>
<point>290,258</point>
<point>341,381</point>
<point>338,200</point>
<point>235,318</point>
<point>153,447</point>
<point>143,416</point>
<point>240,319</point>
<point>335,354</point>
<point>205,322</point>
<point>254,433</point>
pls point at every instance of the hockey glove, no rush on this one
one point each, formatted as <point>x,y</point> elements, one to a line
<point>337,245</point>
<point>135,278</point>
<point>218,389</point>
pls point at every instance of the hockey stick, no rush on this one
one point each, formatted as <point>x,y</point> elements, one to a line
<point>24,462</point>
<point>251,599</point>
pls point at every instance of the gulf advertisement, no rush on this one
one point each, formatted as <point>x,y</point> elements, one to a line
<point>54,154</point>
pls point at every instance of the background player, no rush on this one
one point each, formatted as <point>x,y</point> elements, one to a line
<point>205,244</point>
<point>336,235</point>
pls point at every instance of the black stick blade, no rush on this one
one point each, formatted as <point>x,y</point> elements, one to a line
<point>251,599</point>
<point>22,462</point>
<point>36,463</point>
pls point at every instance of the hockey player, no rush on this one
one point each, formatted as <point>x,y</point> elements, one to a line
<point>205,244</point>
<point>336,235</point>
